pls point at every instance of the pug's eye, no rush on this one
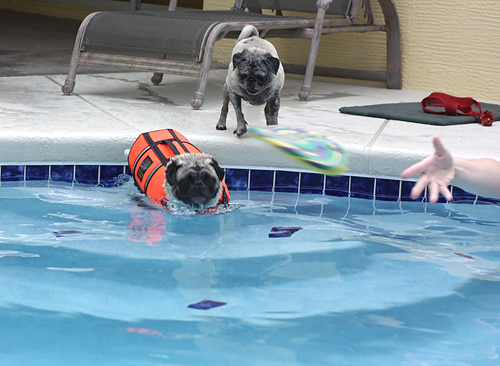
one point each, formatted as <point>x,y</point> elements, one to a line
<point>186,180</point>
<point>209,178</point>
<point>261,76</point>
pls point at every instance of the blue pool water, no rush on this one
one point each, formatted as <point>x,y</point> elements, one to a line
<point>88,277</point>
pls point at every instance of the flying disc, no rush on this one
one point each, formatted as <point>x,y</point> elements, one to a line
<point>308,148</point>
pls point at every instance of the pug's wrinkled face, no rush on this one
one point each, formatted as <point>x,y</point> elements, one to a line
<point>194,179</point>
<point>255,72</point>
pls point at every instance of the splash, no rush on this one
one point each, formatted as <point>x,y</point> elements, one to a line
<point>178,208</point>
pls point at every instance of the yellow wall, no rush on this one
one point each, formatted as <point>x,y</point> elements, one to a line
<point>451,46</point>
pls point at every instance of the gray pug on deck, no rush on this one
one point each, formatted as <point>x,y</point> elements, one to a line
<point>255,75</point>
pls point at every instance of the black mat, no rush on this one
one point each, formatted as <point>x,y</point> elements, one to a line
<point>412,112</point>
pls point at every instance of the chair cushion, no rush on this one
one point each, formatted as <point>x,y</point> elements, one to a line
<point>173,32</point>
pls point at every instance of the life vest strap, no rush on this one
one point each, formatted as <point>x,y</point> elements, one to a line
<point>170,142</point>
<point>154,146</point>
<point>225,195</point>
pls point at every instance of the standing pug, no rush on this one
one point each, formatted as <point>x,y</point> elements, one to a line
<point>255,75</point>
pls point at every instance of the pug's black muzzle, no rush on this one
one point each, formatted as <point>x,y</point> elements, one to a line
<point>196,189</point>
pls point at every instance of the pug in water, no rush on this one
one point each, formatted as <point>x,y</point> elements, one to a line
<point>255,75</point>
<point>195,179</point>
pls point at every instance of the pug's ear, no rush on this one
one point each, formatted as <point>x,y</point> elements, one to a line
<point>273,63</point>
<point>237,58</point>
<point>218,170</point>
<point>171,171</point>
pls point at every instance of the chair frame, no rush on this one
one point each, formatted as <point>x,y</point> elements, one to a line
<point>308,28</point>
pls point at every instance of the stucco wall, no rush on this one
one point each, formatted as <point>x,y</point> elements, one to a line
<point>451,46</point>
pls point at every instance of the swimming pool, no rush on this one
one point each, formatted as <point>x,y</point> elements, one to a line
<point>308,271</point>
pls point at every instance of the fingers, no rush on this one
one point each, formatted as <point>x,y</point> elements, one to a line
<point>419,186</point>
<point>433,189</point>
<point>443,155</point>
<point>415,169</point>
<point>427,163</point>
<point>433,192</point>
<point>408,172</point>
<point>439,147</point>
<point>446,193</point>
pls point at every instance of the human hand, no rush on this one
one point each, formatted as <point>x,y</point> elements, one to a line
<point>436,171</point>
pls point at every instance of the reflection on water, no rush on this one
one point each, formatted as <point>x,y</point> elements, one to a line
<point>352,282</point>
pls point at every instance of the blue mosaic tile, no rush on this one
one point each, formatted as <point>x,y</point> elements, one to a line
<point>12,173</point>
<point>206,305</point>
<point>283,231</point>
<point>337,186</point>
<point>286,181</point>
<point>487,201</point>
<point>311,183</point>
<point>109,174</point>
<point>37,172</point>
<point>461,196</point>
<point>62,173</point>
<point>387,189</point>
<point>237,179</point>
<point>87,174</point>
<point>406,187</point>
<point>441,198</point>
<point>261,180</point>
<point>362,187</point>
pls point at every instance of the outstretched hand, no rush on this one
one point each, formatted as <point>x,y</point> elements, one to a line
<point>436,171</point>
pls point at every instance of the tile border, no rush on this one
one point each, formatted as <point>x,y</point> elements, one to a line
<point>373,188</point>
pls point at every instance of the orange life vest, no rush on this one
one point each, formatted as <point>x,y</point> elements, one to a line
<point>149,155</point>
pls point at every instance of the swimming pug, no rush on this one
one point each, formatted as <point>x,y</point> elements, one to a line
<point>255,75</point>
<point>195,179</point>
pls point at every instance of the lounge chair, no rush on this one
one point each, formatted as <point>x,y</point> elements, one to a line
<point>182,41</point>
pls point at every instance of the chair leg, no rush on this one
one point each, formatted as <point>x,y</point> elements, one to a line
<point>158,76</point>
<point>313,53</point>
<point>394,79</point>
<point>199,95</point>
<point>69,84</point>
<point>198,100</point>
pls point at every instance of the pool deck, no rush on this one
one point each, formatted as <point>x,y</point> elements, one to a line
<point>107,112</point>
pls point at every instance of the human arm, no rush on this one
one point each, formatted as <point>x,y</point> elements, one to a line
<point>440,169</point>
<point>478,176</point>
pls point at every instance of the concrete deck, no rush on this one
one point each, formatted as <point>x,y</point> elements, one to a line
<point>108,111</point>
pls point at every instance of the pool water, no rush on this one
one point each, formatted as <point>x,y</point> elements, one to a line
<point>88,277</point>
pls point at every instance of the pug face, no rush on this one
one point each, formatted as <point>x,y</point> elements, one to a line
<point>255,71</point>
<point>194,179</point>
